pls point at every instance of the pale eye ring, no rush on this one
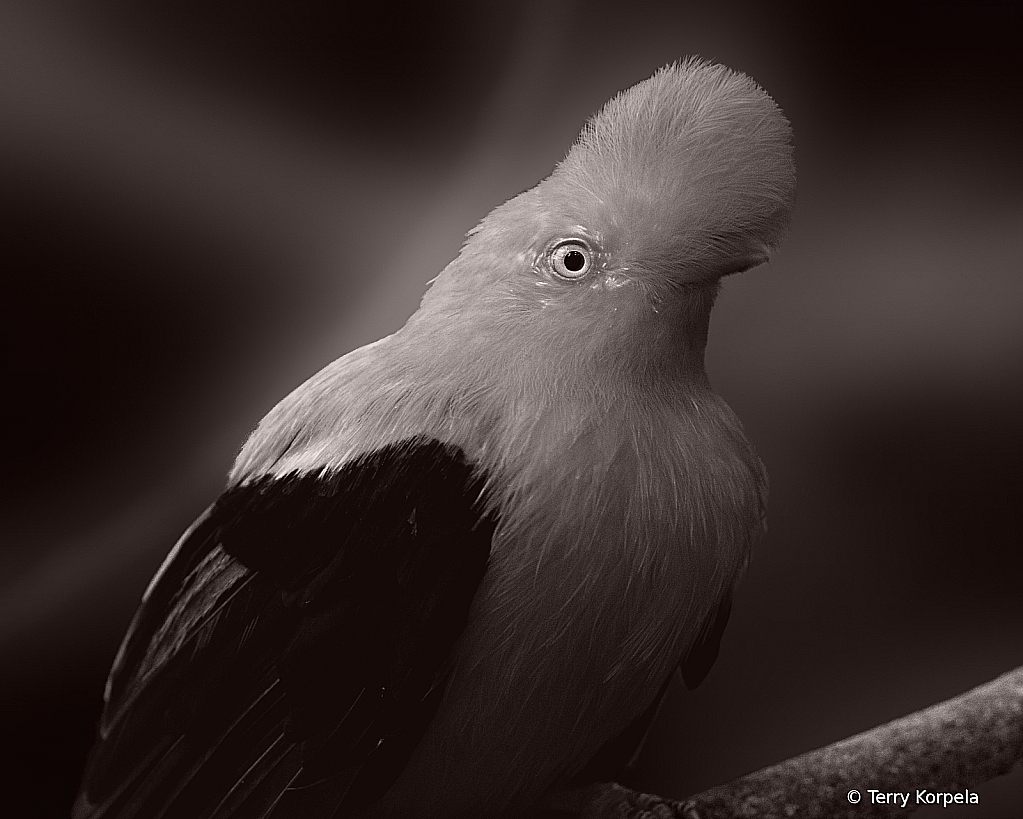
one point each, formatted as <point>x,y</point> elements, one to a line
<point>571,260</point>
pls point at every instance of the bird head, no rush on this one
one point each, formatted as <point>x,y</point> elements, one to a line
<point>676,182</point>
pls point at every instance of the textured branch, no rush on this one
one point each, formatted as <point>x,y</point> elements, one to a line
<point>945,749</point>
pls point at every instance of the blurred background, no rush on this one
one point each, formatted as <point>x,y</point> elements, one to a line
<point>202,203</point>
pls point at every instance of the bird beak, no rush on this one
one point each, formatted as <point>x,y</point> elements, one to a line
<point>742,263</point>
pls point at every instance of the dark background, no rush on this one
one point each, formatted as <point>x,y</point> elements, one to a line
<point>202,204</point>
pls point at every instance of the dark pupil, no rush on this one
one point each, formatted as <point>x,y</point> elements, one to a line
<point>574,261</point>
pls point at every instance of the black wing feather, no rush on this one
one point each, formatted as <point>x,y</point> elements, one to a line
<point>295,648</point>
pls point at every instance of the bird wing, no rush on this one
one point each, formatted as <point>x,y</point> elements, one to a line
<point>290,654</point>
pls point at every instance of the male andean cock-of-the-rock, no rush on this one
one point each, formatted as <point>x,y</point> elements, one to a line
<point>452,573</point>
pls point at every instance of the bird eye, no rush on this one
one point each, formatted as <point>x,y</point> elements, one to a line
<point>571,260</point>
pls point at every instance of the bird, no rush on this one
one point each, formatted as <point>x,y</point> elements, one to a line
<point>452,574</point>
